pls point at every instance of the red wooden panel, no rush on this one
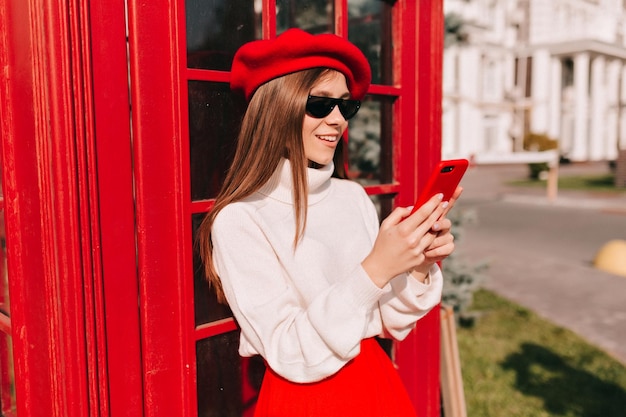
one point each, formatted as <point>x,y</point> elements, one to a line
<point>383,189</point>
<point>215,328</point>
<point>341,18</point>
<point>385,89</point>
<point>116,208</point>
<point>202,206</point>
<point>421,32</point>
<point>17,113</point>
<point>157,55</point>
<point>268,16</point>
<point>52,208</point>
<point>40,185</point>
<point>208,75</point>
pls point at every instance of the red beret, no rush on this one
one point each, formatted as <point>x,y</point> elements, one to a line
<point>258,62</point>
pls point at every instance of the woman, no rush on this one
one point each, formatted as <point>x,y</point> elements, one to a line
<point>297,252</point>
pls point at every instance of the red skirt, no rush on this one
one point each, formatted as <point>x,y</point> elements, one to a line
<point>366,386</point>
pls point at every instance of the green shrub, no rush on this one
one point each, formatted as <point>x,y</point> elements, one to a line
<point>537,142</point>
<point>461,280</point>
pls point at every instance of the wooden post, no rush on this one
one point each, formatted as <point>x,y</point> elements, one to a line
<point>552,186</point>
<point>452,394</point>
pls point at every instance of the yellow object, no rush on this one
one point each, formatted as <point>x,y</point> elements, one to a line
<point>612,257</point>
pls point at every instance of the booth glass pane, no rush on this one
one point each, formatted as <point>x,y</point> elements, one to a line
<point>7,377</point>
<point>370,150</point>
<point>313,16</point>
<point>5,305</point>
<point>217,28</point>
<point>214,119</point>
<point>207,308</point>
<point>369,28</point>
<point>384,204</point>
<point>228,385</point>
<point>4,277</point>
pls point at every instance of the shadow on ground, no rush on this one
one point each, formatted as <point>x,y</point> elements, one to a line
<point>564,389</point>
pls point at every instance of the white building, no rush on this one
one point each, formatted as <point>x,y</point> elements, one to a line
<point>551,67</point>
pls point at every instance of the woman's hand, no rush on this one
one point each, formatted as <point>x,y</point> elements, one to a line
<point>402,241</point>
<point>443,243</point>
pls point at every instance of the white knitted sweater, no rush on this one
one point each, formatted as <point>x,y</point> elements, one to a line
<point>307,310</point>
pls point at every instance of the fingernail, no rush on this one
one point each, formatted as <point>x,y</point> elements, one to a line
<point>436,226</point>
<point>445,204</point>
<point>440,196</point>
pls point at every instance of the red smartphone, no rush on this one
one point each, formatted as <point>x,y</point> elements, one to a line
<point>444,179</point>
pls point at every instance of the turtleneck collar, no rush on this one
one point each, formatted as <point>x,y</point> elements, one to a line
<point>279,187</point>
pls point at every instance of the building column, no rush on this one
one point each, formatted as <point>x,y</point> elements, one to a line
<point>470,139</point>
<point>556,89</point>
<point>540,90</point>
<point>579,150</point>
<point>621,139</point>
<point>613,112</point>
<point>450,105</point>
<point>597,140</point>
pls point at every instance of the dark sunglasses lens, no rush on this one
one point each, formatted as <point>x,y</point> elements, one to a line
<point>348,108</point>
<point>319,106</point>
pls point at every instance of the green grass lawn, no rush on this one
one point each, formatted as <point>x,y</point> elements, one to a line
<point>516,364</point>
<point>604,183</point>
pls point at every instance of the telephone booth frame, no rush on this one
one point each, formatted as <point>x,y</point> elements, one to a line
<point>97,205</point>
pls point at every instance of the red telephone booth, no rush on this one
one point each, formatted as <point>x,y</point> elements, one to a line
<point>116,125</point>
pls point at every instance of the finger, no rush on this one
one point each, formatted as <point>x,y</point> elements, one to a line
<point>422,236</point>
<point>457,193</point>
<point>422,242</point>
<point>424,212</point>
<point>438,252</point>
<point>396,216</point>
<point>442,239</point>
<point>455,196</point>
<point>442,225</point>
<point>443,245</point>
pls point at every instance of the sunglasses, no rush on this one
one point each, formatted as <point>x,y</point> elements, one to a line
<point>320,107</point>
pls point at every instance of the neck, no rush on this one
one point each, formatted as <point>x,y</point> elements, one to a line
<point>314,165</point>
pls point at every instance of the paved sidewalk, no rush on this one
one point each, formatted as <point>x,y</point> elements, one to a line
<point>546,273</point>
<point>491,182</point>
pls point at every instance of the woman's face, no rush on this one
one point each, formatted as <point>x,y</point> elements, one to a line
<point>320,136</point>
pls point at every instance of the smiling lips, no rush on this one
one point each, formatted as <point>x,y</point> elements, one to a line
<point>328,138</point>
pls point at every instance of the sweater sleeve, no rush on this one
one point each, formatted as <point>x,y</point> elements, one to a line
<point>409,300</point>
<point>303,341</point>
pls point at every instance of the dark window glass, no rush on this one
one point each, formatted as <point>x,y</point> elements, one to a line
<point>369,142</point>
<point>384,204</point>
<point>214,119</point>
<point>314,16</point>
<point>207,308</point>
<point>369,27</point>
<point>217,28</point>
<point>4,278</point>
<point>7,376</point>
<point>228,385</point>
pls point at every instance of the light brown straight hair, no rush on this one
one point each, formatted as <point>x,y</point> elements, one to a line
<point>271,129</point>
